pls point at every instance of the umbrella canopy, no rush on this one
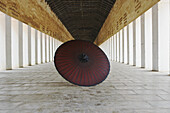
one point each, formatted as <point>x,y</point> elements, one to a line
<point>82,63</point>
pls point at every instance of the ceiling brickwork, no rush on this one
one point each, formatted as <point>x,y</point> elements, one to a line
<point>82,18</point>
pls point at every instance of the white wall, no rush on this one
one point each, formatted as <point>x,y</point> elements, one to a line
<point>2,42</point>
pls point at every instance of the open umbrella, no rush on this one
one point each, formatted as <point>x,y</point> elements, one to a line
<point>82,63</point>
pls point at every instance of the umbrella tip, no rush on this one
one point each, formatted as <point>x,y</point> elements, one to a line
<point>83,58</point>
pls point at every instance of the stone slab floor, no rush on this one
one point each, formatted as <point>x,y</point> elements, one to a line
<point>40,89</point>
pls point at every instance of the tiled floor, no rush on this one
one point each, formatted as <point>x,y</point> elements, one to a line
<point>40,89</point>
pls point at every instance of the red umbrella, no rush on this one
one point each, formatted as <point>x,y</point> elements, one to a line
<point>82,63</point>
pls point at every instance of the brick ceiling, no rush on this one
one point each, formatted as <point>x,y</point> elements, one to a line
<point>82,18</point>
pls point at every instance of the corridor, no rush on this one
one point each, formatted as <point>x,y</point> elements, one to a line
<point>40,89</point>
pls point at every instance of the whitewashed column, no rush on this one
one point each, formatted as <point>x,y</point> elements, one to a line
<point>15,42</point>
<point>123,56</point>
<point>2,41</point>
<point>36,47</point>
<point>134,43</point>
<point>29,46</point>
<point>143,40</point>
<point>112,44</point>
<point>164,35</point>
<point>21,63</point>
<point>52,48</point>
<point>113,48</point>
<point>119,47</point>
<point>39,46</point>
<point>116,46</point>
<point>33,46</point>
<point>127,44</point>
<point>49,48</point>
<point>8,43</point>
<point>46,48</point>
<point>41,38</point>
<point>155,38</point>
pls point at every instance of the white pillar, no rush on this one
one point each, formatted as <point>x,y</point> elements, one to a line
<point>46,48</point>
<point>164,35</point>
<point>8,43</point>
<point>155,37</point>
<point>110,48</point>
<point>112,45</point>
<point>32,46</point>
<point>42,46</point>
<point>49,48</point>
<point>119,46</point>
<point>131,44</point>
<point>148,39</point>
<point>36,47</point>
<point>143,40</point>
<point>134,43</point>
<point>25,45</point>
<point>123,56</point>
<point>127,44</point>
<point>39,46</point>
<point>53,49</point>
<point>116,46</point>
<point>29,46</point>
<point>21,63</point>
<point>15,42</point>
<point>138,41</point>
<point>2,41</point>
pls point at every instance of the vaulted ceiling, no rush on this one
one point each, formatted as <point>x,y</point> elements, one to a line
<point>82,18</point>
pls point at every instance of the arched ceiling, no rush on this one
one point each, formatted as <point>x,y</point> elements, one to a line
<point>82,18</point>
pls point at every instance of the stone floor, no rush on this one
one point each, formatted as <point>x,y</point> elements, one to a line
<point>40,89</point>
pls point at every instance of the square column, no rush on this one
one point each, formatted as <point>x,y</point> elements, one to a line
<point>155,38</point>
<point>15,42</point>
<point>113,47</point>
<point>52,49</point>
<point>143,40</point>
<point>36,47</point>
<point>164,35</point>
<point>134,43</point>
<point>46,58</point>
<point>21,63</point>
<point>39,46</point>
<point>123,46</point>
<point>119,47</point>
<point>8,43</point>
<point>29,46</point>
<point>49,43</point>
<point>2,41</point>
<point>116,47</point>
<point>127,44</point>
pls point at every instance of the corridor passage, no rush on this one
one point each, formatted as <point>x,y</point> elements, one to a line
<point>40,89</point>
